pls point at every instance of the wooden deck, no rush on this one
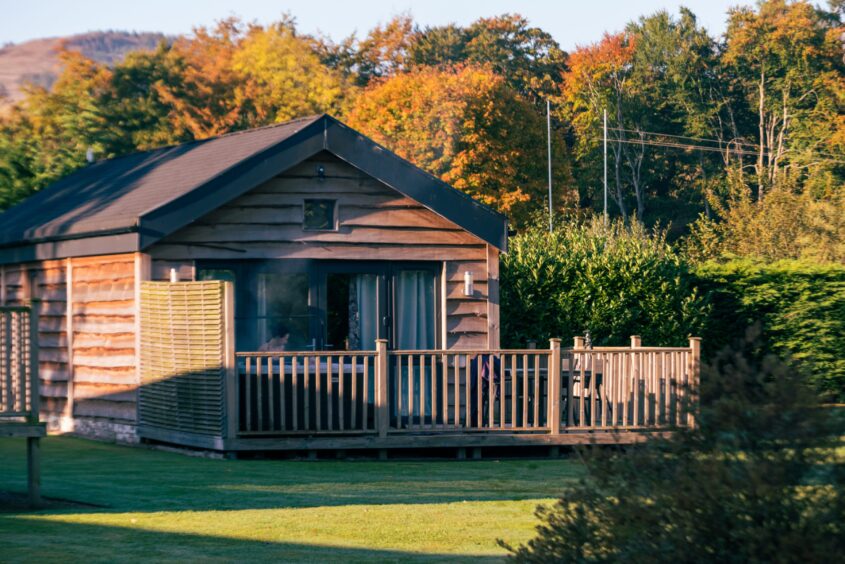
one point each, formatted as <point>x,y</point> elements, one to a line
<point>435,399</point>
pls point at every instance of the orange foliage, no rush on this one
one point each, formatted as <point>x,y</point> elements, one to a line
<point>466,126</point>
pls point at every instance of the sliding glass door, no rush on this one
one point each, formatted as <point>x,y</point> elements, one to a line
<point>331,305</point>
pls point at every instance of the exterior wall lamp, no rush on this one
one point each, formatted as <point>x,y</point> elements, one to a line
<point>469,287</point>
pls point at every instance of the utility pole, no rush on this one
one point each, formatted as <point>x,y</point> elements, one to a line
<point>605,166</point>
<point>549,138</point>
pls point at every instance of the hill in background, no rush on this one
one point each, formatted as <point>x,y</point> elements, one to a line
<point>36,61</point>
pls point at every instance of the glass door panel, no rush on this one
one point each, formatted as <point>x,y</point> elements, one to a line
<point>283,320</point>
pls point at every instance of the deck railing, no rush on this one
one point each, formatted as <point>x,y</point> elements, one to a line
<point>306,392</point>
<point>434,391</point>
<point>484,390</point>
<point>19,390</point>
<point>629,387</point>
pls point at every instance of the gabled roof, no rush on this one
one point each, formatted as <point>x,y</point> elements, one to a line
<point>127,204</point>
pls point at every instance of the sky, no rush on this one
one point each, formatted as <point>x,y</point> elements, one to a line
<point>571,22</point>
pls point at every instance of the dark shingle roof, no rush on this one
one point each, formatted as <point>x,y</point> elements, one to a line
<point>112,194</point>
<point>127,204</point>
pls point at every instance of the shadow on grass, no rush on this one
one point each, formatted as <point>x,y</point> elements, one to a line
<point>141,480</point>
<point>28,539</point>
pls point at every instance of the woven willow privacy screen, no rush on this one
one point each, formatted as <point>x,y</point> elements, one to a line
<point>183,357</point>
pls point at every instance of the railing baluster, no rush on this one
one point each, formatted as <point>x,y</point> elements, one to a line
<point>329,393</point>
<point>434,397</point>
<point>306,398</point>
<point>248,393</point>
<point>467,391</point>
<point>456,414</point>
<point>353,408</point>
<point>282,394</point>
<point>294,393</point>
<point>366,392</point>
<point>318,394</point>
<point>341,371</point>
<point>422,390</point>
<point>537,395</point>
<point>270,394</point>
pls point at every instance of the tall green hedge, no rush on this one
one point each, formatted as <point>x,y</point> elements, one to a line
<point>799,306</point>
<point>613,280</point>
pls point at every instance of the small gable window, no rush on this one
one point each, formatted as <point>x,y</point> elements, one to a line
<point>320,215</point>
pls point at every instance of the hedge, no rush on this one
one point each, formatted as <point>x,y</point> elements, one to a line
<point>798,306</point>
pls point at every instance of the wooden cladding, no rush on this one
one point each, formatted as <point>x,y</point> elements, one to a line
<point>374,222</point>
<point>183,357</point>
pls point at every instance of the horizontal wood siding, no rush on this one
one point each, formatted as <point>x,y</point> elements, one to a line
<point>45,280</point>
<point>103,321</point>
<point>375,223</point>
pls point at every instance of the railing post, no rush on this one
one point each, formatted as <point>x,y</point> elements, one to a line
<point>633,395</point>
<point>34,382</point>
<point>578,343</point>
<point>382,412</point>
<point>554,387</point>
<point>230,366</point>
<point>694,375</point>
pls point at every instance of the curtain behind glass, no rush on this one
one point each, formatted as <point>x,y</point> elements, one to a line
<point>415,329</point>
<point>363,312</point>
<point>415,322</point>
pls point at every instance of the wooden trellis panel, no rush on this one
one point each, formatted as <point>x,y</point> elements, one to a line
<point>183,357</point>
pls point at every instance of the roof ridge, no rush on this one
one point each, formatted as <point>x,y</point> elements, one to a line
<point>313,117</point>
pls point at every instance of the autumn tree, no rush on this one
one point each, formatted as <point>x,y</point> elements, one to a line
<point>48,135</point>
<point>282,77</point>
<point>786,57</point>
<point>469,128</point>
<point>528,57</point>
<point>598,80</point>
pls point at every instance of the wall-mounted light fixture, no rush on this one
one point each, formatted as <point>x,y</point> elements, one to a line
<point>321,172</point>
<point>469,288</point>
<point>174,276</point>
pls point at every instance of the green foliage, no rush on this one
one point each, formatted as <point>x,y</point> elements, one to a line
<point>788,223</point>
<point>758,480</point>
<point>799,305</point>
<point>615,281</point>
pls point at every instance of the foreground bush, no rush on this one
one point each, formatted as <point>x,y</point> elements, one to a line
<point>615,281</point>
<point>799,305</point>
<point>757,481</point>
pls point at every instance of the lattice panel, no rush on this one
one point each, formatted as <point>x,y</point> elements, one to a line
<point>182,356</point>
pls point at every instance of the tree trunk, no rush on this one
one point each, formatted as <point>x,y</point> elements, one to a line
<point>762,141</point>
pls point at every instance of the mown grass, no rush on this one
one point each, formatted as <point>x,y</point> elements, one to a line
<point>165,506</point>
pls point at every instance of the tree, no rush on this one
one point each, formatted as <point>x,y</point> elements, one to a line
<point>786,58</point>
<point>48,135</point>
<point>599,79</point>
<point>467,127</point>
<point>527,57</point>
<point>759,479</point>
<point>283,77</point>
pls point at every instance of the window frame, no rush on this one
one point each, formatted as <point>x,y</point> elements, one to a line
<point>334,209</point>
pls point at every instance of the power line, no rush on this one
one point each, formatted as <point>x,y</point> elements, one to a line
<point>753,149</point>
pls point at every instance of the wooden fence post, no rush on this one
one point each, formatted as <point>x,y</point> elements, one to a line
<point>694,375</point>
<point>230,366</point>
<point>33,446</point>
<point>382,411</point>
<point>554,387</point>
<point>578,343</point>
<point>34,382</point>
<point>633,394</point>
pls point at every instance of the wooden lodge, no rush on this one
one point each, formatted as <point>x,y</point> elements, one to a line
<point>299,287</point>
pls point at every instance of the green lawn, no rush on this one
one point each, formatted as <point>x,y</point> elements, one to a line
<point>167,506</point>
